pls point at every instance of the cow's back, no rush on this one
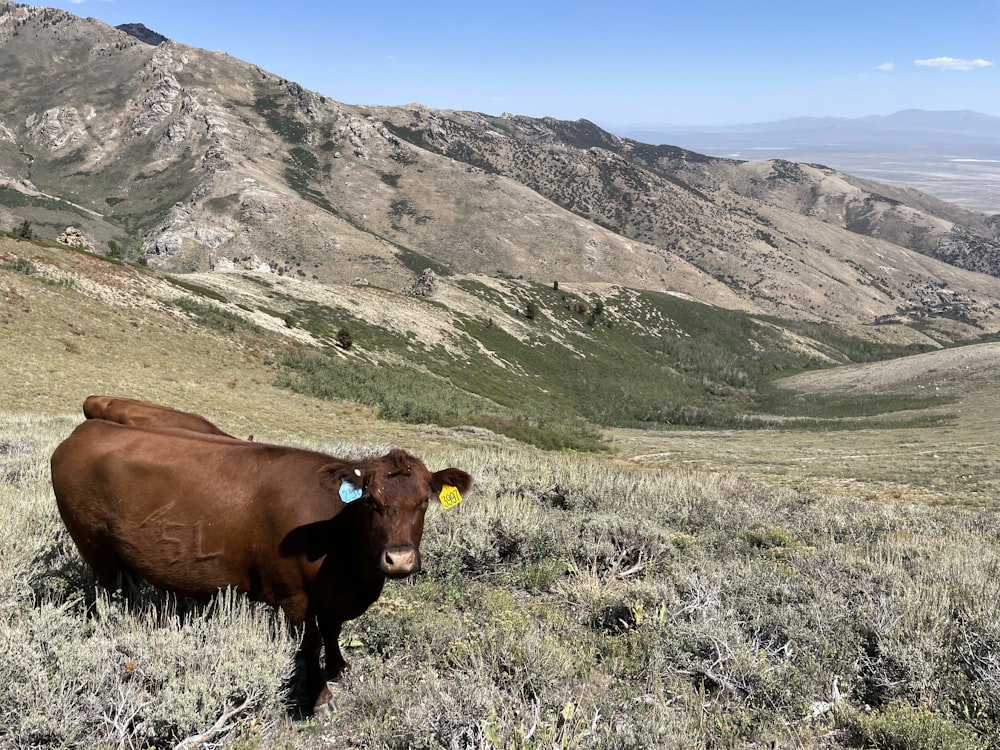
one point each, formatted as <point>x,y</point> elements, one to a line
<point>135,413</point>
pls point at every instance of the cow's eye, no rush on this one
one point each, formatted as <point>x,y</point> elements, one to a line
<point>372,503</point>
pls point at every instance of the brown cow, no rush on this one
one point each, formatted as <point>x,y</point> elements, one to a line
<point>129,411</point>
<point>314,535</point>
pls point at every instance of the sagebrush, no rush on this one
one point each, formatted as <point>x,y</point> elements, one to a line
<point>568,601</point>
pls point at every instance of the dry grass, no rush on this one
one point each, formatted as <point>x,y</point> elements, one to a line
<point>569,602</point>
<point>953,464</point>
<point>953,460</point>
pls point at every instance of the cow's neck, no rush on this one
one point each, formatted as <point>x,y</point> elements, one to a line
<point>357,586</point>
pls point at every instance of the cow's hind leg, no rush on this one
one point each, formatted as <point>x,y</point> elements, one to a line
<point>107,566</point>
<point>97,552</point>
<point>110,573</point>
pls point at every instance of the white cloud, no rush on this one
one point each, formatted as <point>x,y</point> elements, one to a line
<point>953,63</point>
<point>885,66</point>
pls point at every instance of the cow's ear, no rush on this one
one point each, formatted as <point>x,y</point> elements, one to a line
<point>329,477</point>
<point>453,478</point>
<point>344,481</point>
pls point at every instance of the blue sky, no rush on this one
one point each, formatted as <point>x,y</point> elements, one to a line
<point>619,64</point>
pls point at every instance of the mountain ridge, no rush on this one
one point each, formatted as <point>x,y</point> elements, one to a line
<point>140,32</point>
<point>195,161</point>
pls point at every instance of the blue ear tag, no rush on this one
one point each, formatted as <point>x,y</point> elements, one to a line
<point>348,492</point>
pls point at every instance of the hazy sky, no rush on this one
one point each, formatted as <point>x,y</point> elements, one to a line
<point>622,63</point>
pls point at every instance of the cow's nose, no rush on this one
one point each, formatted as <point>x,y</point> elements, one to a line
<point>400,561</point>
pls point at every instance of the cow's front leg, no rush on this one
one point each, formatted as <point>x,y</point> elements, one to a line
<point>330,628</point>
<point>316,687</point>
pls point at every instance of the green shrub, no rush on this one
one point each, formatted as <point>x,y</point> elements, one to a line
<point>345,339</point>
<point>140,678</point>
<point>407,394</point>
<point>900,726</point>
<point>201,291</point>
<point>214,317</point>
<point>20,265</point>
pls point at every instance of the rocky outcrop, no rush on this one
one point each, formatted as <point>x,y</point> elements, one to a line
<point>157,103</point>
<point>170,236</point>
<point>56,127</point>
<point>74,237</point>
<point>426,284</point>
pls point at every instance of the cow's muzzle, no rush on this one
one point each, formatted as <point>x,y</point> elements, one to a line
<point>399,561</point>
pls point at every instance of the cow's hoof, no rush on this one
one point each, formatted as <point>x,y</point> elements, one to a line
<point>338,671</point>
<point>324,698</point>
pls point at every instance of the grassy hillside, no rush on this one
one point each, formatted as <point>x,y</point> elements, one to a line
<point>547,364</point>
<point>695,589</point>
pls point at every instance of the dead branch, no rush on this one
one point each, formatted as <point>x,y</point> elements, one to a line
<point>221,726</point>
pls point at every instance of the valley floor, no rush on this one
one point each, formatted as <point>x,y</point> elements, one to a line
<point>952,458</point>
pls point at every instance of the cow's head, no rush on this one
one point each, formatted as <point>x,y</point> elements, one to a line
<point>390,494</point>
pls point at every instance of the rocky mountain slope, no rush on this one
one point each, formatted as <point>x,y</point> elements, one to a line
<point>195,161</point>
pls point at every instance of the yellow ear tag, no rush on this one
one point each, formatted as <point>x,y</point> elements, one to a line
<point>450,496</point>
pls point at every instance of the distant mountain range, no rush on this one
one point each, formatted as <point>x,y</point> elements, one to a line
<point>952,155</point>
<point>908,120</point>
